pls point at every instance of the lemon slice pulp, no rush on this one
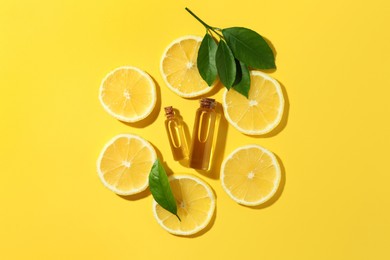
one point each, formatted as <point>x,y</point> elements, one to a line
<point>195,206</point>
<point>179,69</point>
<point>250,175</point>
<point>128,94</point>
<point>124,164</point>
<point>261,112</point>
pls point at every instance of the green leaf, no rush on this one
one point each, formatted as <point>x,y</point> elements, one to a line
<point>226,65</point>
<point>249,47</point>
<point>242,85</point>
<point>206,59</point>
<point>160,189</point>
<point>238,73</point>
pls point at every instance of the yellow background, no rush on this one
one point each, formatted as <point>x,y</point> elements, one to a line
<point>333,60</point>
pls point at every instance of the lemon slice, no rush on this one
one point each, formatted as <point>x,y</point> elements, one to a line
<point>124,164</point>
<point>261,112</point>
<point>195,206</point>
<point>128,94</point>
<point>250,175</point>
<point>179,67</point>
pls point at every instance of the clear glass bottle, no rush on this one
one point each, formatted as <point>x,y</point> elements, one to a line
<point>203,133</point>
<point>176,136</point>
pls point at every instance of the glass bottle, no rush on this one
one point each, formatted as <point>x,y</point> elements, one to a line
<point>202,137</point>
<point>176,136</point>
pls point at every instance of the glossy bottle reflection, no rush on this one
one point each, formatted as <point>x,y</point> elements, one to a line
<point>175,131</point>
<point>202,137</point>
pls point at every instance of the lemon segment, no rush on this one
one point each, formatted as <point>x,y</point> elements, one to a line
<point>250,175</point>
<point>195,206</point>
<point>124,164</point>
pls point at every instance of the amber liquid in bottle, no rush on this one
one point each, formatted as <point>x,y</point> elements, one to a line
<point>203,133</point>
<point>176,136</point>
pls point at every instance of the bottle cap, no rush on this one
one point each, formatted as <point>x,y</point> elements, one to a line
<point>207,102</point>
<point>169,111</point>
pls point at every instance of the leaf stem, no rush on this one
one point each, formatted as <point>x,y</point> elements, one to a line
<point>197,18</point>
<point>217,33</point>
<point>208,27</point>
<point>178,217</point>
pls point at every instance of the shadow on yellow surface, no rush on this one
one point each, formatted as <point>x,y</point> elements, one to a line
<point>137,196</point>
<point>215,89</point>
<point>156,110</point>
<point>270,44</point>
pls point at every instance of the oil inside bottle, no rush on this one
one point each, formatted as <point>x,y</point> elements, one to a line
<point>176,137</point>
<point>203,133</point>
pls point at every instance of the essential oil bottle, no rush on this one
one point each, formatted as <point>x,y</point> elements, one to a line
<point>202,137</point>
<point>176,136</point>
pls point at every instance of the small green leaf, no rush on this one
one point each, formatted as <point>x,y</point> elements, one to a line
<point>226,65</point>
<point>160,189</point>
<point>249,47</point>
<point>243,85</point>
<point>206,59</point>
